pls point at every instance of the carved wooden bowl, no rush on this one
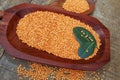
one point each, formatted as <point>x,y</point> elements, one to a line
<point>59,3</point>
<point>9,39</point>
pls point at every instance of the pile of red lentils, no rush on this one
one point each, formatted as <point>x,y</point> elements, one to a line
<point>53,33</point>
<point>78,6</point>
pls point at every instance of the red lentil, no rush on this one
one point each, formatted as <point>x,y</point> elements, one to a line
<point>53,33</point>
<point>40,72</point>
<point>77,6</point>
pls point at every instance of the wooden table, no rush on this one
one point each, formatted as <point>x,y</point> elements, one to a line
<point>107,11</point>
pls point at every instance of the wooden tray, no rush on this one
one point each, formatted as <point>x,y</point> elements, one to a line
<point>59,3</point>
<point>9,40</point>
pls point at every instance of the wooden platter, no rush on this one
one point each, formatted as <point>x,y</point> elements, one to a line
<point>9,39</point>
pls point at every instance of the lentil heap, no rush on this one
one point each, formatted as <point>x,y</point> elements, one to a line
<point>53,32</point>
<point>77,6</point>
<point>44,72</point>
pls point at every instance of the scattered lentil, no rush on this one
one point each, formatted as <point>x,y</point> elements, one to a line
<point>39,72</point>
<point>44,72</point>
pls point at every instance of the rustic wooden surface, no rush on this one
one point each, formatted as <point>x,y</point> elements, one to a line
<point>107,11</point>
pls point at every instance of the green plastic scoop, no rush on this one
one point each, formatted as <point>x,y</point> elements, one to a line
<point>86,40</point>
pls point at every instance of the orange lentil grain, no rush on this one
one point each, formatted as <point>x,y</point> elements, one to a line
<point>53,32</point>
<point>77,6</point>
<point>40,72</point>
